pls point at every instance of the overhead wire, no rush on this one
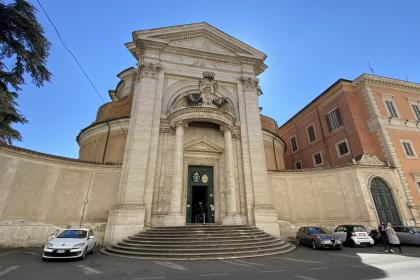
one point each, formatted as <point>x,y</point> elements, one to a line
<point>77,61</point>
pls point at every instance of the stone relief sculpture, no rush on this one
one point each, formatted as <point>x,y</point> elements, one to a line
<point>207,96</point>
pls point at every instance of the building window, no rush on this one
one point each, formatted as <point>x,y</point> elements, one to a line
<point>416,110</point>
<point>298,164</point>
<point>342,148</point>
<point>311,133</point>
<point>334,120</point>
<point>392,109</point>
<point>408,149</point>
<point>293,143</point>
<point>317,159</point>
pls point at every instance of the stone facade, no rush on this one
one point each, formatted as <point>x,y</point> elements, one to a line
<point>191,103</point>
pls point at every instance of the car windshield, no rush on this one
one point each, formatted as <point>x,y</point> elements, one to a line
<point>359,228</point>
<point>71,233</point>
<point>317,230</point>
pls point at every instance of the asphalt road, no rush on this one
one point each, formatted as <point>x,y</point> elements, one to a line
<point>303,263</point>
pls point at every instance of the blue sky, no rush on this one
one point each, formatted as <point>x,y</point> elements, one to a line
<point>309,44</point>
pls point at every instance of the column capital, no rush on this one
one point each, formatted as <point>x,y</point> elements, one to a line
<point>149,70</point>
<point>250,84</point>
<point>182,123</point>
<point>225,128</point>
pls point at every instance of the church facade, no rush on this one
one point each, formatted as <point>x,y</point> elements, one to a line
<point>183,142</point>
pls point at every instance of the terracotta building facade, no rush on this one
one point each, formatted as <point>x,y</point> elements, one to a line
<point>371,115</point>
<point>183,131</point>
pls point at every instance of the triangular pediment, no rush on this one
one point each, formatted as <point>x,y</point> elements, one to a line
<point>203,43</point>
<point>202,145</point>
<point>198,36</point>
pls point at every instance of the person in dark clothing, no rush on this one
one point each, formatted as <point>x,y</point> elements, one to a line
<point>384,237</point>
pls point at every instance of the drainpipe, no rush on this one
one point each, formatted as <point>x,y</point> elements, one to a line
<point>106,142</point>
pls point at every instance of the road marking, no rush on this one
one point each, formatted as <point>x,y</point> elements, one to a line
<point>271,271</point>
<point>89,270</point>
<point>31,253</point>
<point>298,260</point>
<point>9,269</point>
<point>358,266</point>
<point>213,274</point>
<point>304,277</point>
<point>317,268</point>
<point>235,263</point>
<point>171,265</point>
<point>251,263</point>
<point>150,278</point>
<point>344,255</point>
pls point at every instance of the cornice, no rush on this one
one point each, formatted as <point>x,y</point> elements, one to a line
<point>30,153</point>
<point>367,79</point>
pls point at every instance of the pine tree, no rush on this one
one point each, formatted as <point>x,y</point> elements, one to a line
<point>23,49</point>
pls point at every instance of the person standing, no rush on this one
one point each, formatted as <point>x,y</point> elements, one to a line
<point>383,236</point>
<point>393,239</point>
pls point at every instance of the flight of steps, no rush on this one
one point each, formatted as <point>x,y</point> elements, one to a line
<point>199,242</point>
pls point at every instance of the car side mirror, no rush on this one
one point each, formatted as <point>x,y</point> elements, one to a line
<point>412,232</point>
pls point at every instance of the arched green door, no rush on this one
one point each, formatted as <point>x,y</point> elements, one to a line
<point>384,202</point>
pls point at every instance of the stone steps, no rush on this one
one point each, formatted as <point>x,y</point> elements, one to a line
<point>199,242</point>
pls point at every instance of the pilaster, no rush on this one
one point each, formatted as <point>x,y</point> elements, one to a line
<point>128,217</point>
<point>265,215</point>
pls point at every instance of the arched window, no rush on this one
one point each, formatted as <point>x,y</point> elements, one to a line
<point>384,202</point>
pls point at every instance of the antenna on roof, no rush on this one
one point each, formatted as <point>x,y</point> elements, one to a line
<point>371,69</point>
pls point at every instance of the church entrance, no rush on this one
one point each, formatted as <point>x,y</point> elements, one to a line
<point>200,200</point>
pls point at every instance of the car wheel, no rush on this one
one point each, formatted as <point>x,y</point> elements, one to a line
<point>93,249</point>
<point>313,244</point>
<point>84,254</point>
<point>298,242</point>
<point>353,244</point>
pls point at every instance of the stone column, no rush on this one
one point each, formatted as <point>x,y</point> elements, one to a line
<point>232,216</point>
<point>175,216</point>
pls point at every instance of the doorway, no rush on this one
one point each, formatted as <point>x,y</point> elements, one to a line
<point>384,202</point>
<point>200,200</point>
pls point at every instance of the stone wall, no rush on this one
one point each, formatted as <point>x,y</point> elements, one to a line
<point>330,197</point>
<point>41,193</point>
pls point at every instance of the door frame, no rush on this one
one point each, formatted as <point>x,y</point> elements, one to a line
<point>210,214</point>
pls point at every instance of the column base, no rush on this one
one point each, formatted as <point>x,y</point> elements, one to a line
<point>266,219</point>
<point>173,220</point>
<point>124,221</point>
<point>232,219</point>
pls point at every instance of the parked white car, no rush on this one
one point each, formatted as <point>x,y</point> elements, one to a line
<point>353,235</point>
<point>70,243</point>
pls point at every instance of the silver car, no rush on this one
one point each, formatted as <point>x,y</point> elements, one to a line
<point>408,235</point>
<point>317,237</point>
<point>70,243</point>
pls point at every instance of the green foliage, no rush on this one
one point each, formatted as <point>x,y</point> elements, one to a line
<point>23,49</point>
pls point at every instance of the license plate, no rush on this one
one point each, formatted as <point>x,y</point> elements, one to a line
<point>61,251</point>
<point>362,234</point>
